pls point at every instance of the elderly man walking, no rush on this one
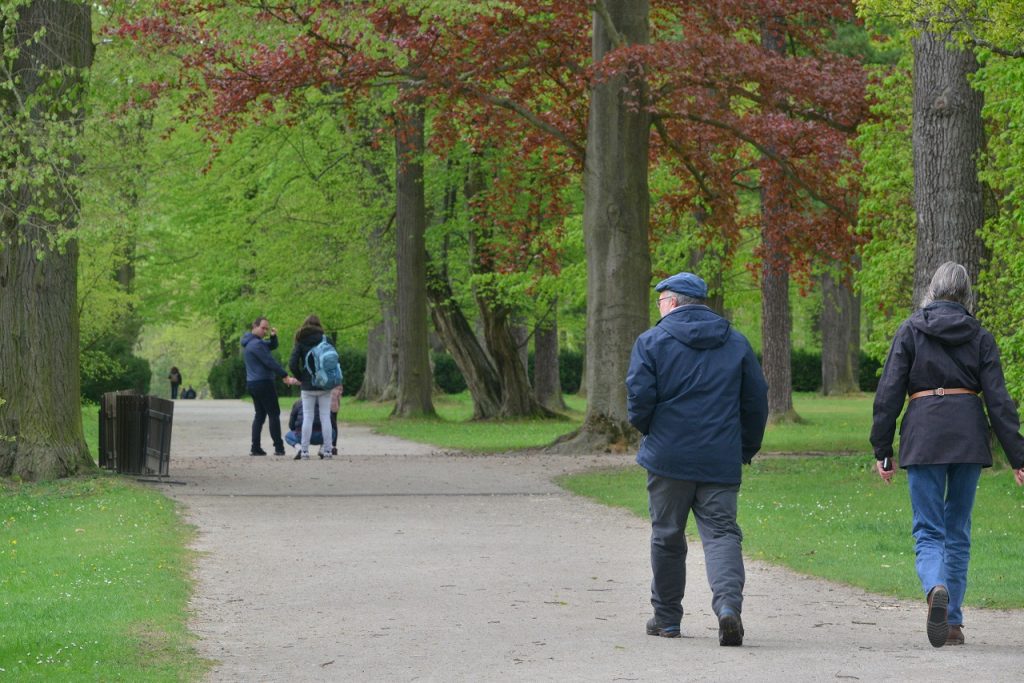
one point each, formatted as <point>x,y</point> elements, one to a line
<point>698,396</point>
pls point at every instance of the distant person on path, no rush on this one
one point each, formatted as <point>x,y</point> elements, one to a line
<point>944,359</point>
<point>294,435</point>
<point>336,393</point>
<point>314,399</point>
<point>261,368</point>
<point>698,396</point>
<point>175,377</point>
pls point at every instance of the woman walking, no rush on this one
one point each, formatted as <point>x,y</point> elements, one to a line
<point>309,335</point>
<point>947,363</point>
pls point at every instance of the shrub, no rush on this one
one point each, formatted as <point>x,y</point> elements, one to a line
<point>106,370</point>
<point>570,370</point>
<point>353,367</point>
<point>227,378</point>
<point>447,374</point>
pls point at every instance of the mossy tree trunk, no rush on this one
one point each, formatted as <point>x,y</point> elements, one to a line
<point>40,106</point>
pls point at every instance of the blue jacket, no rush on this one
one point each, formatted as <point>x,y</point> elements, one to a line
<point>697,394</point>
<point>259,364</point>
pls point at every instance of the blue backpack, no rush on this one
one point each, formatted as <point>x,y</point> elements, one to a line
<point>323,366</point>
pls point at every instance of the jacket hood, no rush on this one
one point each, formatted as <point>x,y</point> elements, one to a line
<point>947,321</point>
<point>309,335</point>
<point>248,337</point>
<point>696,326</point>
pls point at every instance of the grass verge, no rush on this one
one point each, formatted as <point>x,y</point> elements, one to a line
<point>454,428</point>
<point>93,583</point>
<point>832,517</point>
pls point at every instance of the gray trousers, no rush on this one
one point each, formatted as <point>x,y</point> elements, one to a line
<point>714,509</point>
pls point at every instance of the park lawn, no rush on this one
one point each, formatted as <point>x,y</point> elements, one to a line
<point>94,583</point>
<point>832,517</point>
<point>454,428</point>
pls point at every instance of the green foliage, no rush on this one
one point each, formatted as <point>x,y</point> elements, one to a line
<point>886,213</point>
<point>353,367</point>
<point>189,343</point>
<point>833,517</point>
<point>227,377</point>
<point>113,368</point>
<point>447,374</point>
<point>1000,285</point>
<point>94,583</point>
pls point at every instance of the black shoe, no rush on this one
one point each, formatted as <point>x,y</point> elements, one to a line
<point>938,619</point>
<point>257,451</point>
<point>653,629</point>
<point>730,629</point>
<point>298,456</point>
<point>279,450</point>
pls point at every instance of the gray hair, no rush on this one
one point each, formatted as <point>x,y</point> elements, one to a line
<point>951,282</point>
<point>682,299</point>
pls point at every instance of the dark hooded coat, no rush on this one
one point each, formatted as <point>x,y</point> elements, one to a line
<point>306,338</point>
<point>697,394</point>
<point>944,346</point>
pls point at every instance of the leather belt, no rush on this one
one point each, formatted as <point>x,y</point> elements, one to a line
<point>940,392</point>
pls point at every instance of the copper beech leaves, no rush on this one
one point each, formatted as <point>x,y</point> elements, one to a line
<point>516,74</point>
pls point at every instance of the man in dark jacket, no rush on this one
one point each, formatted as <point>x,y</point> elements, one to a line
<point>698,396</point>
<point>261,368</point>
<point>948,364</point>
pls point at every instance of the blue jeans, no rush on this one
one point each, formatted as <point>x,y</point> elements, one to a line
<point>942,497</point>
<point>714,509</point>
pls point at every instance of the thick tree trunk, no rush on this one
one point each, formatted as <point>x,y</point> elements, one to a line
<point>415,381</point>
<point>462,343</point>
<point>547,383</point>
<point>776,323</point>
<point>948,137</point>
<point>615,225</point>
<point>776,320</point>
<point>517,399</point>
<point>380,379</point>
<point>39,366</point>
<point>840,337</point>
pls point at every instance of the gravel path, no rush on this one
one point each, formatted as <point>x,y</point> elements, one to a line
<point>394,562</point>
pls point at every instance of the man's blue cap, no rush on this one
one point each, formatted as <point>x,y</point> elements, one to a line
<point>686,284</point>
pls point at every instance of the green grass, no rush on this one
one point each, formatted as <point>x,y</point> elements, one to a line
<point>831,425</point>
<point>831,516</point>
<point>454,427</point>
<point>91,427</point>
<point>93,583</point>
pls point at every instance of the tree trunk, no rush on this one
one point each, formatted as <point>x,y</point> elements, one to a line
<point>39,366</point>
<point>381,376</point>
<point>517,399</point>
<point>840,337</point>
<point>948,138</point>
<point>776,320</point>
<point>462,343</point>
<point>547,383</point>
<point>615,225</point>
<point>415,381</point>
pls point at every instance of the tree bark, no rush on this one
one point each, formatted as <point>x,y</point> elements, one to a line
<point>517,399</point>
<point>415,380</point>
<point>776,319</point>
<point>840,336</point>
<point>948,137</point>
<point>39,366</point>
<point>461,342</point>
<point>615,225</point>
<point>547,383</point>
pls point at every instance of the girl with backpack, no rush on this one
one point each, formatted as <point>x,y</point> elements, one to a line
<point>314,399</point>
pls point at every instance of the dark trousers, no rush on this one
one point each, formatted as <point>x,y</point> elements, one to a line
<point>714,509</point>
<point>174,391</point>
<point>264,399</point>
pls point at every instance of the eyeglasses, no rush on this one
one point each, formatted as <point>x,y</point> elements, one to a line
<point>664,298</point>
